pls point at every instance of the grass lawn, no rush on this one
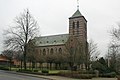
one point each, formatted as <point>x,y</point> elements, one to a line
<point>54,71</point>
<point>14,69</point>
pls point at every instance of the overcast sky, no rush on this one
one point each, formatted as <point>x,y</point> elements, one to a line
<point>52,16</point>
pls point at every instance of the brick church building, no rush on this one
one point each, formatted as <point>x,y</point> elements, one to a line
<point>73,43</point>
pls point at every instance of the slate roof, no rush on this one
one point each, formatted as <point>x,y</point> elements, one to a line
<point>51,40</point>
<point>77,14</point>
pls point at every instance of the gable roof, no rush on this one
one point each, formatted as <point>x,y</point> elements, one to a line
<point>51,40</point>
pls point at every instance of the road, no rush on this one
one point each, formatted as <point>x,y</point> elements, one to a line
<point>8,76</point>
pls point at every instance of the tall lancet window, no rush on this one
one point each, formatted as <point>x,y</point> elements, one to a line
<point>51,51</point>
<point>44,52</point>
<point>77,27</point>
<point>60,51</point>
<point>73,25</point>
<point>77,24</point>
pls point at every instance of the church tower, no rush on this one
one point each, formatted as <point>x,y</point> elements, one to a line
<point>78,26</point>
<point>78,31</point>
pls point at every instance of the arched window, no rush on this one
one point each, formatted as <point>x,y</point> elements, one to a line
<point>78,27</point>
<point>60,51</point>
<point>44,52</point>
<point>77,24</point>
<point>51,51</point>
<point>73,25</point>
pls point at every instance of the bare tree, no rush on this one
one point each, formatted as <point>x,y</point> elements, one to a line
<point>32,55</point>
<point>19,57</point>
<point>113,56</point>
<point>93,50</point>
<point>115,36</point>
<point>76,53</point>
<point>25,28</point>
<point>113,48</point>
<point>10,55</point>
<point>115,33</point>
<point>41,60</point>
<point>113,52</point>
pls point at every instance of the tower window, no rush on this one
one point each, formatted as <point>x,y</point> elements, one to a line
<point>73,25</point>
<point>77,24</point>
<point>78,27</point>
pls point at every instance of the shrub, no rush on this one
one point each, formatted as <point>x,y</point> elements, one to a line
<point>19,70</point>
<point>4,68</point>
<point>83,76</point>
<point>108,75</point>
<point>86,72</point>
<point>23,70</point>
<point>35,70</point>
<point>45,71</point>
<point>63,73</point>
<point>75,74</point>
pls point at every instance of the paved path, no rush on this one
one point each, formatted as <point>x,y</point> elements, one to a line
<point>9,75</point>
<point>4,75</point>
<point>104,79</point>
<point>65,78</point>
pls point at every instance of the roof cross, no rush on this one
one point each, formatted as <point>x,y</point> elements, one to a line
<point>77,4</point>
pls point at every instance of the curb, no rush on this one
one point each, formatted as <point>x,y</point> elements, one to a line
<point>27,74</point>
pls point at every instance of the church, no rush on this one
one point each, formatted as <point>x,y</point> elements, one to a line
<point>73,43</point>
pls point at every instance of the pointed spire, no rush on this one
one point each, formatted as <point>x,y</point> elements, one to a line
<point>77,13</point>
<point>77,4</point>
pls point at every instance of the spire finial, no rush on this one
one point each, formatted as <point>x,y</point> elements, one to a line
<point>77,4</point>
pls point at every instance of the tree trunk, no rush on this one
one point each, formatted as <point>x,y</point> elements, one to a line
<point>33,65</point>
<point>59,65</point>
<point>29,64</point>
<point>36,65</point>
<point>10,64</point>
<point>50,66</point>
<point>56,66</point>
<point>40,65</point>
<point>21,64</point>
<point>47,65</point>
<point>25,57</point>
